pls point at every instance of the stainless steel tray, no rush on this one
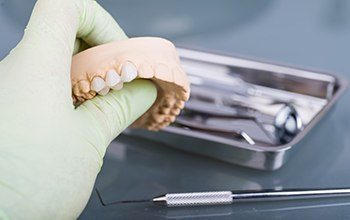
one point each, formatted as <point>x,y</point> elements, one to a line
<point>252,85</point>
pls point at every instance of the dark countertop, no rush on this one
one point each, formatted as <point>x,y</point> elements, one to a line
<point>313,34</point>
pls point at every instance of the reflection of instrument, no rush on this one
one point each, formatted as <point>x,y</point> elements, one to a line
<point>228,197</point>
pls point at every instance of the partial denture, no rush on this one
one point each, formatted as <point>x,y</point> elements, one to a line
<point>109,66</point>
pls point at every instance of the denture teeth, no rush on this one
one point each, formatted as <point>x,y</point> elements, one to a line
<point>129,72</point>
<point>175,111</point>
<point>145,71</point>
<point>158,117</point>
<point>112,78</point>
<point>172,118</point>
<point>80,99</point>
<point>84,86</point>
<point>169,102</point>
<point>89,95</point>
<point>180,104</point>
<point>76,90</point>
<point>97,84</point>
<point>183,96</point>
<point>166,120</point>
<point>164,110</point>
<point>119,86</point>
<point>104,91</point>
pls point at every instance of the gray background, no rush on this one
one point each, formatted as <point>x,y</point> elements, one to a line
<point>313,34</point>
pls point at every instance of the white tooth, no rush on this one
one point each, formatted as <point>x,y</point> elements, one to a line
<point>97,84</point>
<point>104,91</point>
<point>112,78</point>
<point>119,86</point>
<point>129,72</point>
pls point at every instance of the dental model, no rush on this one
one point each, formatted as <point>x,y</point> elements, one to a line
<point>108,66</point>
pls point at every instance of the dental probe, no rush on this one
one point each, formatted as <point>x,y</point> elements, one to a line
<point>229,197</point>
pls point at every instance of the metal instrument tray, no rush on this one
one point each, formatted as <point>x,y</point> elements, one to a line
<point>261,86</point>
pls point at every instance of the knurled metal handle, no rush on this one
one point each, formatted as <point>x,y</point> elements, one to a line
<point>199,198</point>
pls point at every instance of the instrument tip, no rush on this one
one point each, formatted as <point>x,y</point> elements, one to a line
<point>161,200</point>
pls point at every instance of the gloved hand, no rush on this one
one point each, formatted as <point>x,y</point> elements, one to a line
<point>50,153</point>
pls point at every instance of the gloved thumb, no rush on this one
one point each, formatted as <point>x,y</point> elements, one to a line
<point>106,117</point>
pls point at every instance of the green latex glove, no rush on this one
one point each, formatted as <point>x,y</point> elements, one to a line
<point>50,153</point>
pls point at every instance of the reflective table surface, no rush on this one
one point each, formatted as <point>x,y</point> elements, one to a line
<point>313,34</point>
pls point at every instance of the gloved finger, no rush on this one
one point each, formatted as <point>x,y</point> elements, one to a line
<point>77,44</point>
<point>105,117</point>
<point>96,25</point>
<point>80,45</point>
<point>50,35</point>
